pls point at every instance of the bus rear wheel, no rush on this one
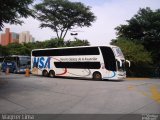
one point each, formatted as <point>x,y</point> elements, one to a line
<point>51,74</point>
<point>45,73</point>
<point>97,76</point>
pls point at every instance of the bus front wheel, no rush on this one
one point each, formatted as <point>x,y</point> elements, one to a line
<point>45,73</point>
<point>97,76</point>
<point>52,74</point>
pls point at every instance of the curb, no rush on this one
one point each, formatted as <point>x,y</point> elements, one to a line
<point>137,78</point>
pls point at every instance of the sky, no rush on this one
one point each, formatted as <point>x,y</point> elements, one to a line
<point>109,13</point>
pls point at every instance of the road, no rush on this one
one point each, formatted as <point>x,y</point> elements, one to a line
<point>36,94</point>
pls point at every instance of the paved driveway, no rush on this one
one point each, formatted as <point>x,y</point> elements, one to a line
<point>36,94</point>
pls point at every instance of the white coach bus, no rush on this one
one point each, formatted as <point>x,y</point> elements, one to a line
<point>97,62</point>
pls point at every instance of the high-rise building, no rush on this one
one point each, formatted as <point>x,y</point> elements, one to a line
<point>25,37</point>
<point>22,37</point>
<point>15,37</point>
<point>11,37</point>
<point>8,37</point>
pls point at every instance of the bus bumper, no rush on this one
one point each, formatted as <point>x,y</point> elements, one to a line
<point>116,76</point>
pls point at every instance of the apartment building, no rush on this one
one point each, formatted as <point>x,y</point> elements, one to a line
<point>11,37</point>
<point>25,37</point>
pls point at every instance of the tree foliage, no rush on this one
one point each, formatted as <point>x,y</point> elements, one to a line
<point>144,28</point>
<point>54,43</point>
<point>12,10</point>
<point>3,51</point>
<point>141,61</point>
<point>26,48</point>
<point>63,15</point>
<point>134,52</point>
<point>77,42</point>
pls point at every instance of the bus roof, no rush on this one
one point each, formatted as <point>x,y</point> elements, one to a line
<point>73,47</point>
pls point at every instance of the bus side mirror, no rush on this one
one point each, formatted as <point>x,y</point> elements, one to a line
<point>120,62</point>
<point>129,63</point>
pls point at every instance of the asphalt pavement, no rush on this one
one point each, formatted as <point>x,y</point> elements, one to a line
<point>42,95</point>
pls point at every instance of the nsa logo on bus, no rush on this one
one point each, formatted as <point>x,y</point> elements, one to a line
<point>41,62</point>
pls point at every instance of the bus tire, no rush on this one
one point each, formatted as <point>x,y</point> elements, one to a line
<point>97,76</point>
<point>51,74</point>
<point>45,73</point>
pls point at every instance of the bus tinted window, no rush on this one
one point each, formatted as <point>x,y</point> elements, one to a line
<point>24,61</point>
<point>67,52</point>
<point>1,59</point>
<point>11,58</point>
<point>78,65</point>
<point>109,59</point>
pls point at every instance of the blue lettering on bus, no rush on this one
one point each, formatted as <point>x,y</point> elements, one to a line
<point>47,64</point>
<point>41,62</point>
<point>35,62</point>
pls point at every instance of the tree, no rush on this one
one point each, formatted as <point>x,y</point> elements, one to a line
<point>54,43</point>
<point>135,52</point>
<point>18,49</point>
<point>63,15</point>
<point>144,28</point>
<point>3,51</point>
<point>76,42</point>
<point>132,51</point>
<point>12,10</point>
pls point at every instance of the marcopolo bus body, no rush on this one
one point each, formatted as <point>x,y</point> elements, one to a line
<point>97,62</point>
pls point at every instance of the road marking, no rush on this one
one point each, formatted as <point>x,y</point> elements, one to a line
<point>131,87</point>
<point>154,93</point>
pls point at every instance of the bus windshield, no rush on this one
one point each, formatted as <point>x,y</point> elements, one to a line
<point>24,61</point>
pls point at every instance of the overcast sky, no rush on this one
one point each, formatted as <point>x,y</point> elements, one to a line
<point>109,13</point>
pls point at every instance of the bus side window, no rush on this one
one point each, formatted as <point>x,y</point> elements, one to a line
<point>67,52</point>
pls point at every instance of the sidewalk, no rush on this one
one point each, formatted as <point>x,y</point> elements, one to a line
<point>136,78</point>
